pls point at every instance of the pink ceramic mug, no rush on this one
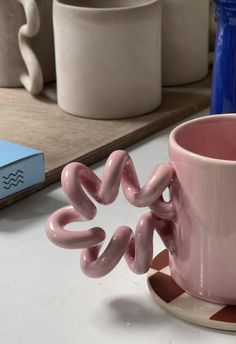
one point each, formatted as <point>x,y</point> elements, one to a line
<point>198,225</point>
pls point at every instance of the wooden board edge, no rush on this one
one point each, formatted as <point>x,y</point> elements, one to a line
<point>104,151</point>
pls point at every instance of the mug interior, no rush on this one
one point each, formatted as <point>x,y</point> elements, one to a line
<point>211,137</point>
<point>105,4</point>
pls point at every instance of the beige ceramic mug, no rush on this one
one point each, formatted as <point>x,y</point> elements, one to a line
<point>185,41</point>
<point>108,57</point>
<point>26,44</point>
<point>213,24</point>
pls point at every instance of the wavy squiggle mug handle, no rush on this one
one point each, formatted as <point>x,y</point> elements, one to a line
<point>136,247</point>
<point>33,79</point>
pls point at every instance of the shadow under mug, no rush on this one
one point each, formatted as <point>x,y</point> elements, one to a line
<point>108,57</point>
<point>26,44</point>
<point>197,225</point>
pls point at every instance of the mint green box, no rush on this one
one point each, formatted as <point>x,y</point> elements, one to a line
<point>20,168</point>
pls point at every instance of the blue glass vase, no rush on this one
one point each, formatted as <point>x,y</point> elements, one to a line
<point>223,98</point>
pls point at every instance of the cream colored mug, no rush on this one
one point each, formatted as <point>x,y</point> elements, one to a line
<point>185,50</point>
<point>26,44</point>
<point>213,25</point>
<point>108,57</point>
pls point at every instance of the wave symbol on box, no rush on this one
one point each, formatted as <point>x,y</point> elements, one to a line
<point>13,179</point>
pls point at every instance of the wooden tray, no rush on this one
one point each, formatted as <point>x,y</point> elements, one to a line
<point>39,123</point>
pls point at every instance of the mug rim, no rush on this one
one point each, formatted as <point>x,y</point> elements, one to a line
<point>144,3</point>
<point>173,142</point>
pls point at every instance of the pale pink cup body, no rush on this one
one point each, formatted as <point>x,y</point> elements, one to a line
<point>197,226</point>
<point>203,155</point>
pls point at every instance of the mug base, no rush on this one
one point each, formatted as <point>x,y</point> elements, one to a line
<point>18,84</point>
<point>175,300</point>
<point>107,114</point>
<point>176,82</point>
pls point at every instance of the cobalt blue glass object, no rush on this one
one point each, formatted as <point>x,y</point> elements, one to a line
<point>223,99</point>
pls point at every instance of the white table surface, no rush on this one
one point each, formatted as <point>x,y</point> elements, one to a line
<point>45,298</point>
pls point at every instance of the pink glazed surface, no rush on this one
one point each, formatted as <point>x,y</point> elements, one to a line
<point>203,155</point>
<point>197,225</point>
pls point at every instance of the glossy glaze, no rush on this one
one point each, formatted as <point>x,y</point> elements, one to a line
<point>137,247</point>
<point>197,225</point>
<point>185,306</point>
<point>202,153</point>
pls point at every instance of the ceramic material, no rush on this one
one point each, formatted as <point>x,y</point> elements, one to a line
<point>197,225</point>
<point>176,301</point>
<point>108,57</point>
<point>26,44</point>
<point>223,98</point>
<point>202,154</point>
<point>119,169</point>
<point>212,36</point>
<point>184,41</point>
